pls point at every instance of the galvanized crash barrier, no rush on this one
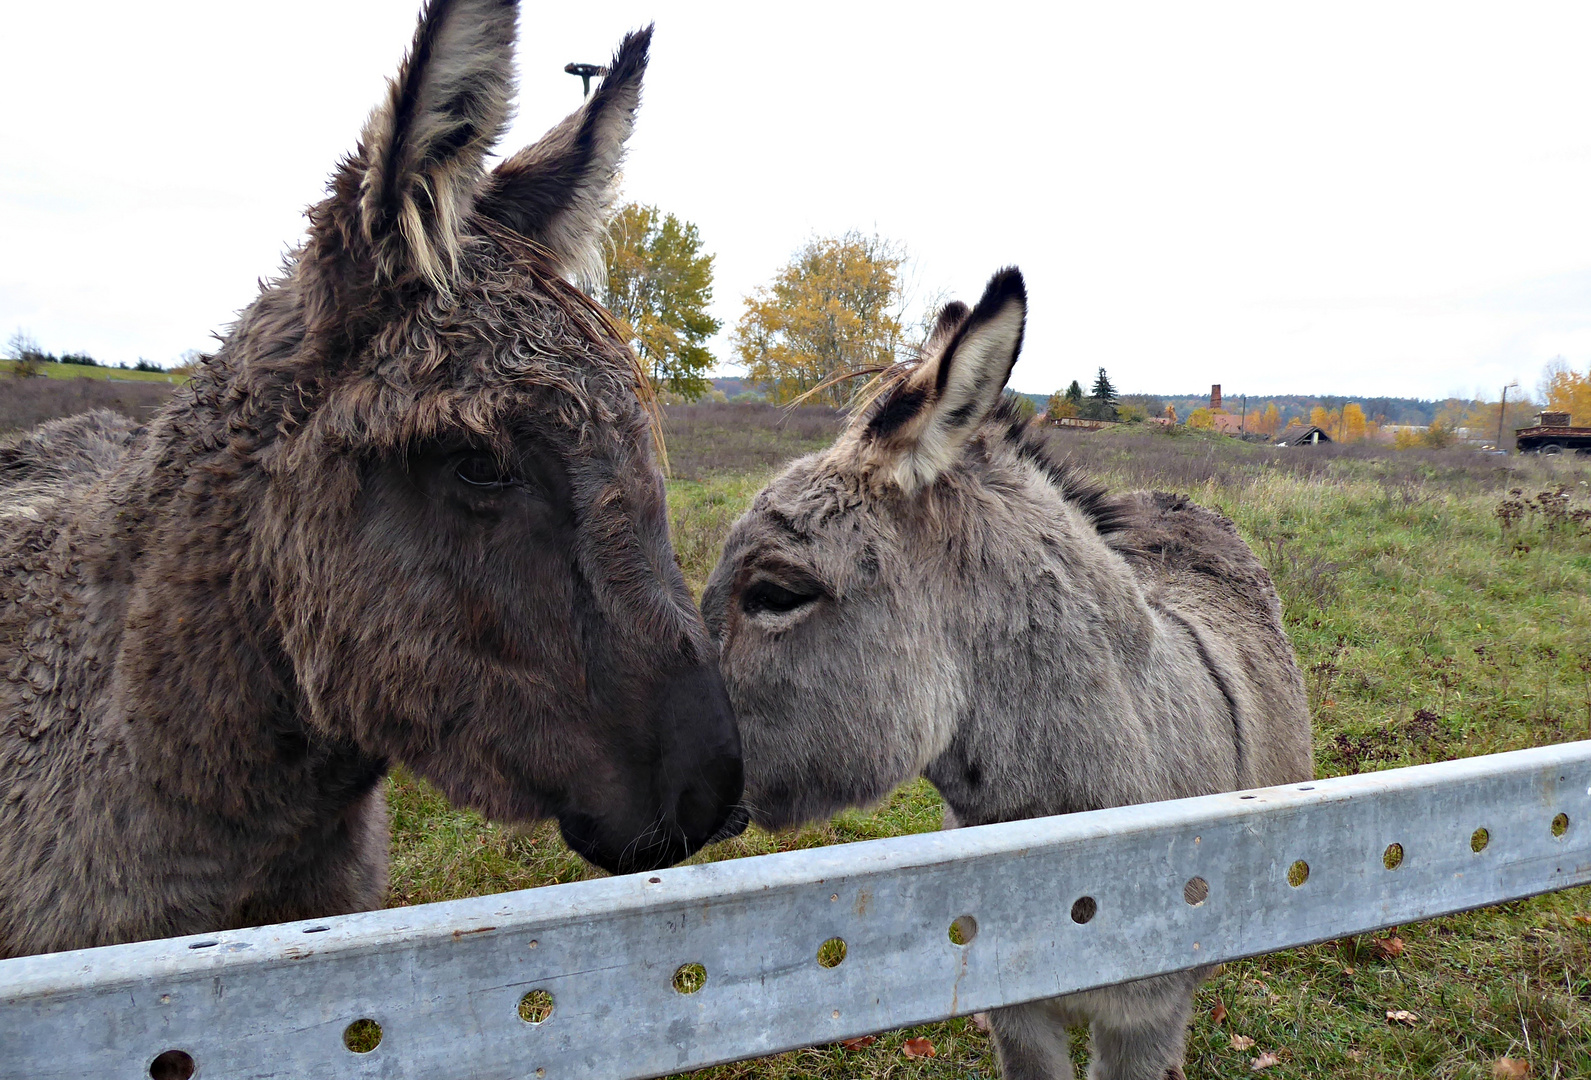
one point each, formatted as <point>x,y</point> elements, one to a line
<point>653,973</point>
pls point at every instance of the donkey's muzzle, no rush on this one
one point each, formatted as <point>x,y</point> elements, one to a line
<point>696,784</point>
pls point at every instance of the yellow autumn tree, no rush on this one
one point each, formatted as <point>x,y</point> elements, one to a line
<point>1270,420</point>
<point>1352,424</point>
<point>1483,419</point>
<point>1060,406</point>
<point>1566,390</point>
<point>659,285</point>
<point>1199,419</point>
<point>831,309</point>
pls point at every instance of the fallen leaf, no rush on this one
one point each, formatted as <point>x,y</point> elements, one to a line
<point>918,1047</point>
<point>1218,1014</point>
<point>981,1022</point>
<point>1511,1069</point>
<point>1402,1016</point>
<point>1264,1061</point>
<point>1346,970</point>
<point>1389,947</point>
<point>1241,1042</point>
<point>1586,919</point>
<point>1356,1055</point>
<point>860,1044</point>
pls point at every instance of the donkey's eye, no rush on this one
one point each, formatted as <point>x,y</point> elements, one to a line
<point>768,597</point>
<point>481,470</point>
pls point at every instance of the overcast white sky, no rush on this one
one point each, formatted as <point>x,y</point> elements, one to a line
<point>1353,199</point>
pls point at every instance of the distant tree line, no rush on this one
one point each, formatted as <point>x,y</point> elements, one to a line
<point>25,357</point>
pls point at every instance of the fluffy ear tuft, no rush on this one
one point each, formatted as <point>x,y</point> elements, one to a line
<point>422,149</point>
<point>559,192</point>
<point>921,426</point>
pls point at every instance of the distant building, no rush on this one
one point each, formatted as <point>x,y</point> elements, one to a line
<point>1308,435</point>
<point>1226,423</point>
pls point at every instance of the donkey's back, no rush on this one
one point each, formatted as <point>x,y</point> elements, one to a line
<point>56,455</point>
<point>1196,571</point>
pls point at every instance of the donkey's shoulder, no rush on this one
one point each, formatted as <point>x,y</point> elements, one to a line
<point>59,451</point>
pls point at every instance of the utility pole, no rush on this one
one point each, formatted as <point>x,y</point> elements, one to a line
<point>1242,425</point>
<point>1502,410</point>
<point>586,73</point>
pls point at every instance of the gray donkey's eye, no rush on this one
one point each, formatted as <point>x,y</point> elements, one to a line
<point>768,597</point>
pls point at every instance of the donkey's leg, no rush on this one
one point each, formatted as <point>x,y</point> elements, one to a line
<point>1030,1041</point>
<point>1140,1029</point>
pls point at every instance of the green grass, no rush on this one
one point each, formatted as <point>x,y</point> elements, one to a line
<point>83,371</point>
<point>1426,631</point>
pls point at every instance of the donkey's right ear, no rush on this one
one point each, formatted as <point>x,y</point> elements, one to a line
<point>919,428</point>
<point>559,191</point>
<point>420,157</point>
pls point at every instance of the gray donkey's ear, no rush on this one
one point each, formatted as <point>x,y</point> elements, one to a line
<point>923,424</point>
<point>559,191</point>
<point>421,152</point>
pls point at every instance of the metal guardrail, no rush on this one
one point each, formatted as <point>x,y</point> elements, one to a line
<point>1046,906</point>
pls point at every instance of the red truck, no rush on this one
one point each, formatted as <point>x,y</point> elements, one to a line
<point>1552,434</point>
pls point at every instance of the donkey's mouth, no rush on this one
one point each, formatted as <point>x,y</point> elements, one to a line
<point>662,845</point>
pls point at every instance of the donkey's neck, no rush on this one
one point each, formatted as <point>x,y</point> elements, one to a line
<point>1081,693</point>
<point>200,690</point>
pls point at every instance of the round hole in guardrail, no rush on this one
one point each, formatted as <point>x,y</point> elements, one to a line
<point>172,1065</point>
<point>963,929</point>
<point>831,952</point>
<point>1298,873</point>
<point>535,1006</point>
<point>1392,858</point>
<point>1560,824</point>
<point>690,978</point>
<point>1084,908</point>
<point>362,1036</point>
<point>204,944</point>
<point>1196,891</point>
<point>1478,840</point>
<point>317,930</point>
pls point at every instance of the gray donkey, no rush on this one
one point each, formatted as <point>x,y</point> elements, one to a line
<point>939,595</point>
<point>409,512</point>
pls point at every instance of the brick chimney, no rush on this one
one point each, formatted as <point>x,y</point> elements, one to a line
<point>1215,398</point>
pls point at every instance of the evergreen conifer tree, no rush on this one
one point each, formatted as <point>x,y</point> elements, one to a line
<point>1102,400</point>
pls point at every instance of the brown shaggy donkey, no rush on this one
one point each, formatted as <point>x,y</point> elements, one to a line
<point>408,512</point>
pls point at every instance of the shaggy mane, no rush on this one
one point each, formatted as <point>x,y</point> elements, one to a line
<point>1107,512</point>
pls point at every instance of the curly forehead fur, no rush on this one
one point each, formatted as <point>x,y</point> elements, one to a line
<point>511,337</point>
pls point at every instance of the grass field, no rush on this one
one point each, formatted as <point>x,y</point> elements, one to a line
<point>1429,627</point>
<point>83,371</point>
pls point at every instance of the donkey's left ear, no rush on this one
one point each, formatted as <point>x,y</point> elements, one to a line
<point>559,191</point>
<point>920,428</point>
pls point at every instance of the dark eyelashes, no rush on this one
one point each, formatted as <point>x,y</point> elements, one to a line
<point>482,470</point>
<point>769,597</point>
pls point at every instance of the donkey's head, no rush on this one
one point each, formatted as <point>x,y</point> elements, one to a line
<point>845,595</point>
<point>461,527</point>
